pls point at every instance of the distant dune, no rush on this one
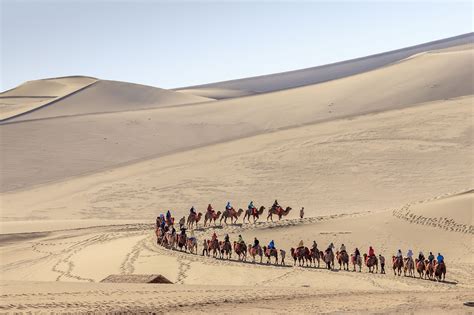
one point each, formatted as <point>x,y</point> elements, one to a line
<point>292,79</point>
<point>86,143</point>
<point>101,96</point>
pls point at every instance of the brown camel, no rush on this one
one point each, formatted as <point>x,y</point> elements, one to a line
<point>420,267</point>
<point>356,262</point>
<point>213,245</point>
<point>254,251</point>
<point>329,259</point>
<point>371,262</point>
<point>193,219</point>
<point>211,217</point>
<point>232,214</point>
<point>253,213</point>
<point>169,240</point>
<point>159,235</point>
<point>191,245</point>
<point>440,271</point>
<point>241,250</point>
<point>429,272</point>
<point>181,241</point>
<point>270,253</point>
<point>409,267</point>
<point>342,259</point>
<point>225,249</point>
<point>316,256</point>
<point>279,212</point>
<point>397,265</point>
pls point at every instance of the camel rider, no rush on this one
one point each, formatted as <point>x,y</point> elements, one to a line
<point>275,205</point>
<point>315,246</point>
<point>330,247</point>
<point>343,248</point>
<point>210,209</point>
<point>371,251</point>
<point>168,215</point>
<point>251,208</point>
<point>356,254</point>
<point>271,245</point>
<point>192,211</point>
<point>226,238</point>
<point>431,257</point>
<point>214,237</point>
<point>410,254</point>
<point>421,257</point>
<point>183,231</point>
<point>240,240</point>
<point>173,230</point>
<point>228,206</point>
<point>255,243</point>
<point>440,258</point>
<point>301,244</point>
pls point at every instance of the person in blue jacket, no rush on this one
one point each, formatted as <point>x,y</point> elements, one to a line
<point>271,245</point>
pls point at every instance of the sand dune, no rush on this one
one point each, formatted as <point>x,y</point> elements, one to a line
<point>292,79</point>
<point>217,93</point>
<point>111,96</point>
<point>111,139</point>
<point>35,94</point>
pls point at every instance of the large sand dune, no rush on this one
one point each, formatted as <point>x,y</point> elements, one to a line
<point>95,142</point>
<point>380,155</point>
<point>292,79</point>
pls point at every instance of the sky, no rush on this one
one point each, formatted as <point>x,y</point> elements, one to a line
<point>172,44</point>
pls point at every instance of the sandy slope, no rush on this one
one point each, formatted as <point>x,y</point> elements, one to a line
<point>291,79</point>
<point>369,162</point>
<point>77,255</point>
<point>111,96</point>
<point>94,142</point>
<point>34,94</point>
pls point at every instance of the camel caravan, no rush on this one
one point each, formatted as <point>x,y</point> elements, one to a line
<point>428,268</point>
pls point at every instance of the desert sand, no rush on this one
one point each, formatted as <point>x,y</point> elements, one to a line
<point>378,150</point>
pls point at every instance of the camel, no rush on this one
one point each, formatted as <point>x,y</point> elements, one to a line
<point>282,255</point>
<point>420,267</point>
<point>191,245</point>
<point>255,214</point>
<point>211,216</point>
<point>429,272</point>
<point>329,259</point>
<point>270,253</point>
<point>225,249</point>
<point>214,247</point>
<point>170,240</point>
<point>193,219</point>
<point>372,263</point>
<point>302,254</point>
<point>241,250</point>
<point>357,262</point>
<point>397,265</point>
<point>181,241</point>
<point>440,271</point>
<point>343,259</point>
<point>232,214</point>
<point>159,235</point>
<point>279,212</point>
<point>410,267</point>
<point>316,256</point>
<point>254,251</point>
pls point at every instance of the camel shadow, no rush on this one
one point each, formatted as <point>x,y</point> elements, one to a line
<point>254,263</point>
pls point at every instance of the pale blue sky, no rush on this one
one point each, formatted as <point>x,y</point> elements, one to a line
<point>171,44</point>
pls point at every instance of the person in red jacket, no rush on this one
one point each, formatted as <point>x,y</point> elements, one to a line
<point>210,209</point>
<point>371,251</point>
